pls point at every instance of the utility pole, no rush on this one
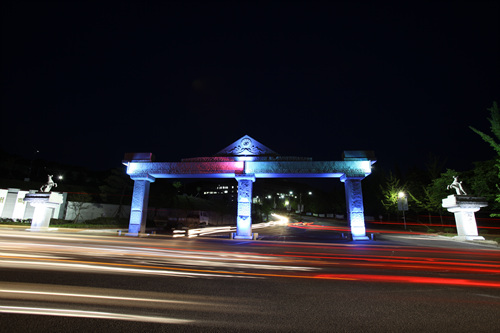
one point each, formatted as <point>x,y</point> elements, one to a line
<point>27,179</point>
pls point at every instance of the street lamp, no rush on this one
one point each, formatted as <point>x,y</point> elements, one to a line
<point>301,205</point>
<point>27,179</point>
<point>403,205</point>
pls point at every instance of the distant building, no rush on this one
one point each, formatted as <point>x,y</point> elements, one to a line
<point>224,192</point>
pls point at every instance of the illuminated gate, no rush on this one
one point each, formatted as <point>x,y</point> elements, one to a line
<point>246,160</point>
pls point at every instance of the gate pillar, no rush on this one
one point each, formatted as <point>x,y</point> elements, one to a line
<point>354,204</point>
<point>244,215</point>
<point>139,207</point>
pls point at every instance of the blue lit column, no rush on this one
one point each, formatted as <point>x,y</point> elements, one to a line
<point>139,207</point>
<point>354,204</point>
<point>244,217</point>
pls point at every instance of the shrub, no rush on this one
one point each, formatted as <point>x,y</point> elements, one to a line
<point>113,221</point>
<point>87,226</point>
<point>15,222</point>
<point>450,230</point>
<point>58,221</point>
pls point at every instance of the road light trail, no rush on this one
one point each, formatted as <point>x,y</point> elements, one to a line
<point>418,280</point>
<point>91,314</point>
<point>176,271</point>
<point>305,261</point>
<point>4,294</point>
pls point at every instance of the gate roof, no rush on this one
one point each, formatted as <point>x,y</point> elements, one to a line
<point>248,156</point>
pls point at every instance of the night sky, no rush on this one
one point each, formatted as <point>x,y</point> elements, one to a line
<point>85,82</point>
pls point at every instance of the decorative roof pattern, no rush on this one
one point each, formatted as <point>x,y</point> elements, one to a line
<point>246,146</point>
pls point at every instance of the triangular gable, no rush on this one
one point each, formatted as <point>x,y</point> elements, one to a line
<point>246,146</point>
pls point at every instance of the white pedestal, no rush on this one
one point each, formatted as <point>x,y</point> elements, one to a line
<point>464,208</point>
<point>44,204</point>
<point>252,236</point>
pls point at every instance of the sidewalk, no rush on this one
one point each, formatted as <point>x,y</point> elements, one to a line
<point>438,241</point>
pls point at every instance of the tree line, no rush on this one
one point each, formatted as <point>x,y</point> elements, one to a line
<point>426,189</point>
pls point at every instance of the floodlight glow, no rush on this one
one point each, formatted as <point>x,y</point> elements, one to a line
<point>131,167</point>
<point>245,158</point>
<point>401,194</point>
<point>367,166</point>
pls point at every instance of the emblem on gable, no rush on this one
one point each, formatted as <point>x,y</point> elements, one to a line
<point>246,146</point>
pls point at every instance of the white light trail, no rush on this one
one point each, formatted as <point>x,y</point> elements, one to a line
<point>6,254</point>
<point>91,314</point>
<point>116,298</point>
<point>115,269</point>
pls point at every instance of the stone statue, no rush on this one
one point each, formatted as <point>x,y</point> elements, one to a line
<point>457,186</point>
<point>48,186</point>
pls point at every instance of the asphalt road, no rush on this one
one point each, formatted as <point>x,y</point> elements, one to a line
<point>66,282</point>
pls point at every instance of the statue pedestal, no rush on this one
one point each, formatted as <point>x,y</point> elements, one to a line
<point>464,207</point>
<point>44,203</point>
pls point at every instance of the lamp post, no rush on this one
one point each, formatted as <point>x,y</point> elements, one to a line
<point>403,205</point>
<point>301,205</point>
<point>27,179</point>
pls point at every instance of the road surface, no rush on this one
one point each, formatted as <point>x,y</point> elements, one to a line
<point>68,282</point>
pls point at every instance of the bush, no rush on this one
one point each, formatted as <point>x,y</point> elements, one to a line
<point>450,230</point>
<point>58,221</point>
<point>483,232</point>
<point>88,226</point>
<point>100,221</point>
<point>113,221</point>
<point>431,230</point>
<point>6,221</point>
<point>15,222</point>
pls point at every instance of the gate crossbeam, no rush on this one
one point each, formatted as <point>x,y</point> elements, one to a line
<point>245,160</point>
